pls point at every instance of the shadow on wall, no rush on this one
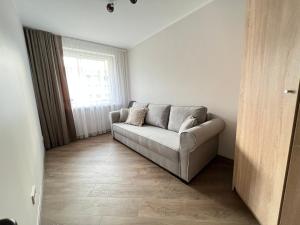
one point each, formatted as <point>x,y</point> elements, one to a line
<point>227,138</point>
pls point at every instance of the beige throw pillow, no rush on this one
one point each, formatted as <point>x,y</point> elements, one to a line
<point>136,116</point>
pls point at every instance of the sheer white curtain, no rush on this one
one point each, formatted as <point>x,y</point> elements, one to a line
<point>98,84</point>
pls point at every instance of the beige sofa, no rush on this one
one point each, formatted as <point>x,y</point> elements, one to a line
<point>183,154</point>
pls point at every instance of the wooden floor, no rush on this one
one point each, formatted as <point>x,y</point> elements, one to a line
<point>102,182</point>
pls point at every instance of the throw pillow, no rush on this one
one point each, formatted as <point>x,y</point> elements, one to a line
<point>136,116</point>
<point>188,123</point>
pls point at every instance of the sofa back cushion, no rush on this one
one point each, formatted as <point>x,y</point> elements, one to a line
<point>124,114</point>
<point>140,105</point>
<point>178,114</point>
<point>158,115</point>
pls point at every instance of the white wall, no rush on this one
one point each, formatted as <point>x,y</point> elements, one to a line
<point>21,148</point>
<point>196,61</point>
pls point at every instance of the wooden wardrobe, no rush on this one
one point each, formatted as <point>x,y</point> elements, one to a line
<point>267,154</point>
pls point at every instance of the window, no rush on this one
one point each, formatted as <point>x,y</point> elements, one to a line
<point>97,80</point>
<point>89,79</point>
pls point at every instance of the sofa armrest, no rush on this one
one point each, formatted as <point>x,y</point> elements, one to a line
<point>114,117</point>
<point>198,146</point>
<point>195,136</point>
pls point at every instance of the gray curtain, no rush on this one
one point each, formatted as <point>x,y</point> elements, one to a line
<point>50,87</point>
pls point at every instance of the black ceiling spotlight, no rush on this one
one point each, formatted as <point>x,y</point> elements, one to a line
<point>111,6</point>
<point>133,1</point>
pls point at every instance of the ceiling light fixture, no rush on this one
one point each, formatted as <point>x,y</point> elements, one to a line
<point>110,7</point>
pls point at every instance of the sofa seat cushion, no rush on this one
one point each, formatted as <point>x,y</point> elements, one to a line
<point>163,142</point>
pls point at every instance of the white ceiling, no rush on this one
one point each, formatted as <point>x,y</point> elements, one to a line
<point>89,20</point>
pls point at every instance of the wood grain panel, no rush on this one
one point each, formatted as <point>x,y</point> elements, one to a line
<point>266,114</point>
<point>290,213</point>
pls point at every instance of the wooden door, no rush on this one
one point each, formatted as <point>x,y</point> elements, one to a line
<point>290,214</point>
<point>266,112</point>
